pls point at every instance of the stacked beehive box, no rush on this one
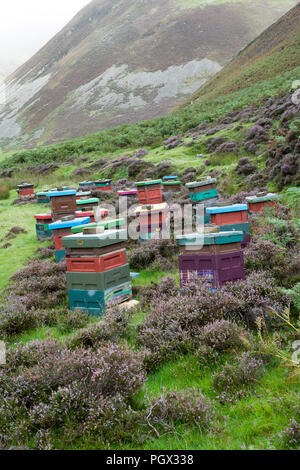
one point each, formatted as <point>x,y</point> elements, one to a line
<point>61,228</point>
<point>98,273</point>
<point>63,202</point>
<point>42,197</point>
<point>102,185</point>
<point>152,212</point>
<point>153,221</point>
<point>259,202</point>
<point>42,222</point>
<point>231,218</point>
<point>25,189</point>
<point>82,195</point>
<point>171,183</point>
<point>217,257</point>
<point>203,192</point>
<point>87,204</point>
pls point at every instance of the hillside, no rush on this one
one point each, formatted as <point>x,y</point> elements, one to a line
<point>125,61</point>
<point>276,50</point>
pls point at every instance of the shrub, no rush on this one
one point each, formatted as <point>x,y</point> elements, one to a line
<point>28,289</point>
<point>234,378</point>
<point>290,436</point>
<point>69,320</point>
<point>155,254</point>
<point>49,387</point>
<point>113,325</point>
<point>165,289</point>
<point>256,294</point>
<point>174,325</point>
<point>182,406</point>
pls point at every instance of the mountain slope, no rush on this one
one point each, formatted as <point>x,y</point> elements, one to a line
<point>275,51</point>
<point>124,61</point>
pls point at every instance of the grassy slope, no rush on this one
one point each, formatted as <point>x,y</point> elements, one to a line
<point>275,50</point>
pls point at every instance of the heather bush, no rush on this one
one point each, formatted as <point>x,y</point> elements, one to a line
<point>44,252</point>
<point>59,392</point>
<point>174,324</point>
<point>183,406</point>
<point>68,320</point>
<point>155,254</point>
<point>28,288</point>
<point>256,294</point>
<point>290,436</point>
<point>166,288</point>
<point>222,336</point>
<point>113,326</point>
<point>15,318</point>
<point>234,378</point>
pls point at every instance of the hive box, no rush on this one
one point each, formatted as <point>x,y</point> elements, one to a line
<point>90,301</point>
<point>42,227</point>
<point>155,235</point>
<point>25,189</point>
<point>152,213</point>
<point>98,281</point>
<point>234,214</point>
<point>157,227</point>
<point>128,192</point>
<point>220,268</point>
<point>59,255</point>
<point>202,186</point>
<point>103,185</point>
<point>118,294</point>
<point>102,263</point>
<point>91,252</point>
<point>82,194</point>
<point>62,228</point>
<point>99,240</point>
<point>242,227</point>
<point>42,197</point>
<point>259,203</point>
<point>197,197</point>
<point>87,204</point>
<point>149,192</point>
<point>62,201</point>
<point>173,186</point>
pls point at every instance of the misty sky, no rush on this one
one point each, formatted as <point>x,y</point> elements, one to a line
<point>26,25</point>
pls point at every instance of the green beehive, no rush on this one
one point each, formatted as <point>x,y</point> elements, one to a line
<point>109,237</point>
<point>99,281</point>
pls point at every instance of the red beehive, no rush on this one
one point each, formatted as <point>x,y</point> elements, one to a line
<point>90,214</point>
<point>104,263</point>
<point>260,206</point>
<point>235,214</point>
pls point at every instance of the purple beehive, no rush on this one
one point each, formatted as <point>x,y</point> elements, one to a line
<point>218,268</point>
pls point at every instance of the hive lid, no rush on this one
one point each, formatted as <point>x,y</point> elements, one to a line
<point>43,216</point>
<point>200,239</point>
<point>98,240</point>
<point>84,183</point>
<point>106,224</point>
<point>201,182</point>
<point>61,192</point>
<point>267,197</point>
<point>107,181</point>
<point>148,182</point>
<point>69,223</point>
<point>88,200</point>
<point>151,208</point>
<point>171,183</point>
<point>127,191</point>
<point>166,178</point>
<point>83,193</point>
<point>224,209</point>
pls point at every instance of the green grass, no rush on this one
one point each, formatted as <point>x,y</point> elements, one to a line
<point>24,245</point>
